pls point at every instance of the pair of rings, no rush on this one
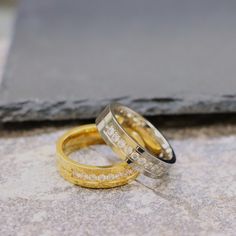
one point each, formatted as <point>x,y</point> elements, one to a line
<point>142,148</point>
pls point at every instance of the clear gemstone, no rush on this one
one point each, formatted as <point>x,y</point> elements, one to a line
<point>93,177</point>
<point>142,123</point>
<point>128,150</point>
<point>170,155</point>
<point>121,143</point>
<point>134,156</point>
<point>159,171</point>
<point>117,175</point>
<point>115,137</point>
<point>77,175</point>
<point>137,168</point>
<point>121,111</point>
<point>148,165</point>
<point>121,174</point>
<point>161,155</point>
<point>89,177</point>
<point>141,161</point>
<point>155,168</point>
<point>110,177</point>
<point>129,115</point>
<point>136,120</point>
<point>165,145</point>
<point>129,172</point>
<point>111,131</point>
<point>168,150</point>
<point>101,177</point>
<point>85,176</point>
<point>80,176</point>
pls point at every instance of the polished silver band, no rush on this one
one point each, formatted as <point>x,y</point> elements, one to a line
<point>112,124</point>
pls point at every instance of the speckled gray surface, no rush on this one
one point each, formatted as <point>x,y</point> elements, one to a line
<point>198,197</point>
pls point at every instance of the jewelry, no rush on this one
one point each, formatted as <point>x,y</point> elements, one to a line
<point>149,152</point>
<point>85,175</point>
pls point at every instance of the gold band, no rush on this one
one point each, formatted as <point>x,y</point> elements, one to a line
<point>87,175</point>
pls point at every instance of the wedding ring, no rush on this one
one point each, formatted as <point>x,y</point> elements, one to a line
<point>148,151</point>
<point>85,175</point>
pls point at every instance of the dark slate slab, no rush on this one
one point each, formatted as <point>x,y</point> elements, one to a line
<point>70,58</point>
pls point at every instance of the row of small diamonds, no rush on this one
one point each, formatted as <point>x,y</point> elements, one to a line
<point>102,177</point>
<point>165,146</point>
<point>146,164</point>
<point>115,138</point>
<point>135,157</point>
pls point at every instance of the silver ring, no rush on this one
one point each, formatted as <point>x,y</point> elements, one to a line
<point>135,140</point>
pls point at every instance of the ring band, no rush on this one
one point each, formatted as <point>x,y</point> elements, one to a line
<point>86,175</point>
<point>152,155</point>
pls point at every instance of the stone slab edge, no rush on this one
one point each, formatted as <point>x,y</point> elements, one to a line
<point>86,109</point>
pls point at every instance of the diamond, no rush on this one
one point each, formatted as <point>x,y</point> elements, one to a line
<point>137,168</point>
<point>170,155</point>
<point>129,172</point>
<point>136,120</point>
<point>134,156</point>
<point>148,165</point>
<point>115,137</point>
<point>110,177</point>
<point>77,175</point>
<point>85,176</point>
<point>155,168</point>
<point>101,177</point>
<point>92,177</point>
<point>141,161</point>
<point>117,175</point>
<point>129,115</point>
<point>161,155</point>
<point>121,143</point>
<point>121,111</point>
<point>165,145</point>
<point>168,150</point>
<point>159,171</point>
<point>121,174</point>
<point>111,131</point>
<point>128,150</point>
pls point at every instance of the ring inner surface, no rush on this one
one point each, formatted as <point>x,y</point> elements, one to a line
<point>80,140</point>
<point>139,129</point>
<point>73,144</point>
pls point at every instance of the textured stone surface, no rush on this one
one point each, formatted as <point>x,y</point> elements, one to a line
<point>70,58</point>
<point>198,197</point>
<point>63,110</point>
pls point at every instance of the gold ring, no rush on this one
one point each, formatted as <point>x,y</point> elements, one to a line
<point>86,175</point>
<point>149,152</point>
